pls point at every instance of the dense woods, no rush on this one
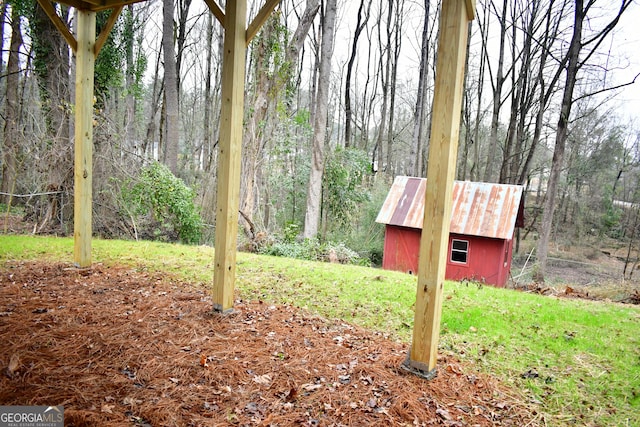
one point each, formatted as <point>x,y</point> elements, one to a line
<point>337,102</point>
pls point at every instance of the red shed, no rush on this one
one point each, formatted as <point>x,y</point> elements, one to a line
<point>483,221</point>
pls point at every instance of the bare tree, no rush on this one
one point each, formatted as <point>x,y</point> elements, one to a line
<point>171,102</point>
<point>268,84</point>
<point>361,23</point>
<point>415,161</point>
<point>497,83</point>
<point>394,38</point>
<point>12,113</point>
<point>546,87</point>
<point>384,69</point>
<point>312,214</point>
<point>53,71</point>
<point>574,64</point>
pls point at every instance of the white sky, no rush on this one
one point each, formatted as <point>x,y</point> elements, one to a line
<point>627,44</point>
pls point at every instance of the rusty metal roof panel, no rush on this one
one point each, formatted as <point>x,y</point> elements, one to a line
<point>479,208</point>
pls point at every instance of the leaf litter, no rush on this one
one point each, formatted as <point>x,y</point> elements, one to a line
<point>120,347</point>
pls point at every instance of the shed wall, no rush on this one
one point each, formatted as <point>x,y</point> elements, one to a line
<point>488,260</point>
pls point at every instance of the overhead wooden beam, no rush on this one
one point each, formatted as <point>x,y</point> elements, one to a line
<point>260,19</point>
<point>104,34</point>
<point>97,5</point>
<point>83,142</point>
<point>217,11</point>
<point>230,147</point>
<point>58,23</point>
<point>471,9</point>
<point>443,149</point>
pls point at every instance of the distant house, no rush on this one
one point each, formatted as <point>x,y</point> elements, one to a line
<point>483,221</point>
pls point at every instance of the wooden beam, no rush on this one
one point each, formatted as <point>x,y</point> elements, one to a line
<point>471,10</point>
<point>443,149</point>
<point>57,21</point>
<point>104,34</point>
<point>83,142</point>
<point>230,147</point>
<point>260,19</point>
<point>217,11</point>
<point>97,5</point>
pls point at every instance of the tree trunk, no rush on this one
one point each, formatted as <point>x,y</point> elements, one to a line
<point>546,87</point>
<point>360,25</point>
<point>573,66</point>
<point>3,18</point>
<point>205,154</point>
<point>396,36</point>
<point>268,87</point>
<point>312,214</point>
<point>12,113</point>
<point>561,137</point>
<point>130,101</point>
<point>171,105</point>
<point>497,98</point>
<point>149,143</point>
<point>475,140</point>
<point>52,67</point>
<point>414,161</point>
<point>181,39</point>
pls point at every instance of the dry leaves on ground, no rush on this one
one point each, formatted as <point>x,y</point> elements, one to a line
<point>120,347</point>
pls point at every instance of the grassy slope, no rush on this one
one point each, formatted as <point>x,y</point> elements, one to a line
<point>579,359</point>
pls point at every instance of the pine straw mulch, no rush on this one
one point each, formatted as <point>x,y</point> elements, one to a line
<point>119,347</point>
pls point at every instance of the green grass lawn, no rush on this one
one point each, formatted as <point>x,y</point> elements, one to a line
<point>578,360</point>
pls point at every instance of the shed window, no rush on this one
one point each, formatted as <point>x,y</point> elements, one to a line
<point>459,251</point>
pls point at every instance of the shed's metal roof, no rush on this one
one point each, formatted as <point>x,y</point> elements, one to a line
<point>479,208</point>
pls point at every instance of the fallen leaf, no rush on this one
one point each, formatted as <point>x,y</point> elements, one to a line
<point>311,387</point>
<point>444,414</point>
<point>453,369</point>
<point>262,379</point>
<point>251,408</point>
<point>14,364</point>
<point>130,401</point>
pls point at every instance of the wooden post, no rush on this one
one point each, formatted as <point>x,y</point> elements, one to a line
<point>443,149</point>
<point>83,142</point>
<point>228,189</point>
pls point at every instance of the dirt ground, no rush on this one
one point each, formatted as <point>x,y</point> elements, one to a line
<point>582,272</point>
<point>119,347</point>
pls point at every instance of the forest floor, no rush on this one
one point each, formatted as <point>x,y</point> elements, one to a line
<point>583,271</point>
<point>121,347</point>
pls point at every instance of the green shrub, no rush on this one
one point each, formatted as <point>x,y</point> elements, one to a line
<point>314,250</point>
<point>160,194</point>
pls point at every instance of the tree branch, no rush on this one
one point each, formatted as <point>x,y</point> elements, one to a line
<point>607,89</point>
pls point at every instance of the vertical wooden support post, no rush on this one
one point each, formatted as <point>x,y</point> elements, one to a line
<point>228,189</point>
<point>443,149</point>
<point>83,142</point>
